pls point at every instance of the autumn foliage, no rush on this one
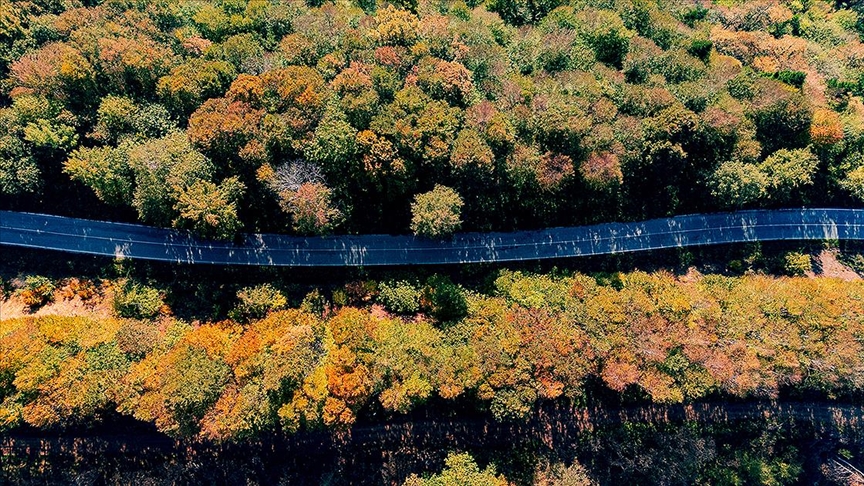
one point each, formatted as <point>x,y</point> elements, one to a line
<point>538,338</point>
<point>536,113</point>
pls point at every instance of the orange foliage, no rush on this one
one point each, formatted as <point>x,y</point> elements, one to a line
<point>826,127</point>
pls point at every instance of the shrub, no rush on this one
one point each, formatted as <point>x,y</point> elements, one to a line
<point>75,287</point>
<point>256,302</point>
<point>37,291</point>
<point>399,296</point>
<point>796,263</point>
<point>137,301</point>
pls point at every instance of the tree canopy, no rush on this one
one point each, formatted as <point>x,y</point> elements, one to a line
<point>536,113</point>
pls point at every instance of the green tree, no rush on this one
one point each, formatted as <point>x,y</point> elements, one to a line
<point>165,168</point>
<point>436,213</point>
<point>210,210</point>
<point>191,83</point>
<point>738,184</point>
<point>399,296</point>
<point>796,263</point>
<point>105,170</point>
<point>256,302</point>
<point>459,470</point>
<point>788,172</point>
<point>137,301</point>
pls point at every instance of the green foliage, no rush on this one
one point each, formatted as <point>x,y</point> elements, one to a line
<point>793,78</point>
<point>737,184</point>
<point>137,301</point>
<point>210,210</point>
<point>163,169</point>
<point>796,264</point>
<point>121,118</point>
<point>103,169</point>
<point>256,302</point>
<point>444,300</point>
<point>854,182</point>
<point>607,35</point>
<point>520,12</point>
<point>399,296</point>
<point>191,83</point>
<point>701,49</point>
<point>436,213</point>
<point>461,470</point>
<point>788,171</point>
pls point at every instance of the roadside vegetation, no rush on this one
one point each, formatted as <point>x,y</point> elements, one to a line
<point>652,338</point>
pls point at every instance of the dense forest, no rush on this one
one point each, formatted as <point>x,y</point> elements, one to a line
<point>313,117</point>
<point>385,348</point>
<point>266,115</point>
<point>550,379</point>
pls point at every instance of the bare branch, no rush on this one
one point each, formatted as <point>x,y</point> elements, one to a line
<point>291,175</point>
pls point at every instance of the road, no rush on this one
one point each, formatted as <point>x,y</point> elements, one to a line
<point>135,241</point>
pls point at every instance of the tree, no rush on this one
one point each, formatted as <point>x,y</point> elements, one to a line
<point>826,127</point>
<point>789,171</point>
<point>312,208</point>
<point>105,170</point>
<point>602,169</point>
<point>436,213</point>
<point>796,264</point>
<point>208,209</point>
<point>194,81</point>
<point>165,168</point>
<point>471,153</point>
<point>854,182</point>
<point>520,12</point>
<point>738,184</point>
<point>256,302</point>
<point>399,296</point>
<point>357,95</point>
<point>461,470</point>
<point>137,301</point>
<point>221,127</point>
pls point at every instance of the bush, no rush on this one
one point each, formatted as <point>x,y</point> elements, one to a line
<point>83,289</point>
<point>399,296</point>
<point>796,263</point>
<point>137,301</point>
<point>37,291</point>
<point>256,302</point>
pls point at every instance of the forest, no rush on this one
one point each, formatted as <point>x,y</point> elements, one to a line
<point>430,116</point>
<point>389,347</point>
<point>732,365</point>
<point>415,367</point>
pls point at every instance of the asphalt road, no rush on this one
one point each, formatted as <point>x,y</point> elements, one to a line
<point>144,242</point>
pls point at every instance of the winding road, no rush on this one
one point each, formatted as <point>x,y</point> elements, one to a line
<point>135,241</point>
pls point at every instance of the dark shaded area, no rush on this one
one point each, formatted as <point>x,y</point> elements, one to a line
<point>631,445</point>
